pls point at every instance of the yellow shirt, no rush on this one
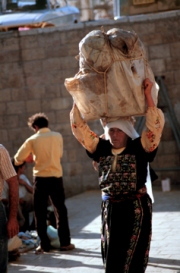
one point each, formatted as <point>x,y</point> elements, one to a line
<point>47,149</point>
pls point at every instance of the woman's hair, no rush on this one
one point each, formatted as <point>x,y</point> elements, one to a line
<point>39,119</point>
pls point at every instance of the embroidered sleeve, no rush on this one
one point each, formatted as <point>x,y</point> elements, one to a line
<point>151,135</point>
<point>82,132</point>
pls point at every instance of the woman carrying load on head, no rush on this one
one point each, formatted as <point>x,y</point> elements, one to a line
<point>122,165</point>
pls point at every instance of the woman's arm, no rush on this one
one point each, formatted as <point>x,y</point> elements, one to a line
<point>81,130</point>
<point>151,135</point>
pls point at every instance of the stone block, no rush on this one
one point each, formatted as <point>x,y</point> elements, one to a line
<point>29,42</point>
<point>75,168</point>
<point>170,160</point>
<point>46,105</point>
<point>23,119</point>
<point>68,73</point>
<point>64,129</point>
<point>159,51</point>
<point>172,64</point>
<point>174,176</point>
<point>158,66</point>
<point>4,135</point>
<point>160,148</point>
<point>19,135</point>
<point>73,49</point>
<point>33,54</point>
<point>73,185</point>
<point>72,169</point>
<point>51,64</point>
<point>5,95</point>
<point>18,94</point>
<point>64,158</point>
<point>32,67</point>
<point>169,147</point>
<point>151,39</point>
<point>3,108</point>
<point>69,62</point>
<point>35,92</point>
<point>12,80</point>
<point>10,121</point>
<point>62,116</point>
<point>142,28</point>
<point>9,44</point>
<point>9,147</point>
<point>14,68</point>
<point>52,91</point>
<point>168,29</point>
<point>177,76</point>
<point>167,132</point>
<point>62,37</point>
<point>61,103</point>
<point>9,56</point>
<point>177,110</point>
<point>173,92</point>
<point>15,133</point>
<point>44,40</point>
<point>16,107</point>
<point>174,47</point>
<point>33,106</point>
<point>53,78</point>
<point>72,156</point>
<point>36,80</point>
<point>58,51</point>
<point>73,35</point>
<point>90,182</point>
<point>71,143</point>
<point>169,79</point>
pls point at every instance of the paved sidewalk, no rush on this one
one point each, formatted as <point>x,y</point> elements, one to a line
<point>84,219</point>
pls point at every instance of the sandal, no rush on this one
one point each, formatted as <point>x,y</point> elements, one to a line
<point>66,248</point>
<point>39,250</point>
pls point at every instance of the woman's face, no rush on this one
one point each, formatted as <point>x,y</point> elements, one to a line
<point>117,137</point>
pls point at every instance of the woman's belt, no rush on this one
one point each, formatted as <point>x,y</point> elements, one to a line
<point>125,195</point>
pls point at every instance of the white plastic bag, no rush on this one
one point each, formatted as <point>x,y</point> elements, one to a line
<point>53,236</point>
<point>14,243</point>
<point>112,68</point>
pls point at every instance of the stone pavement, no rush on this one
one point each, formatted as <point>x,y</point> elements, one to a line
<point>84,219</point>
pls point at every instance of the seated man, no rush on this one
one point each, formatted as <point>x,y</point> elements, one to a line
<point>5,201</point>
<point>25,195</point>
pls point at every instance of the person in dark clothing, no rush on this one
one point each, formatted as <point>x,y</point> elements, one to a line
<point>46,147</point>
<point>123,163</point>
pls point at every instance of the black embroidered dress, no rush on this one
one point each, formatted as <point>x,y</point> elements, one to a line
<point>126,207</point>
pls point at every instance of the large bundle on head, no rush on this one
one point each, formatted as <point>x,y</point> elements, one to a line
<point>112,68</point>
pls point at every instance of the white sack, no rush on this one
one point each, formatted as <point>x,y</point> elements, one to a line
<point>52,234</point>
<point>112,68</point>
<point>14,243</point>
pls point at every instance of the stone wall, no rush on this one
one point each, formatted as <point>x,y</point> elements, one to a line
<point>34,64</point>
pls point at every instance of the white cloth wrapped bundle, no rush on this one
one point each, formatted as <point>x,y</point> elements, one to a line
<point>112,68</point>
